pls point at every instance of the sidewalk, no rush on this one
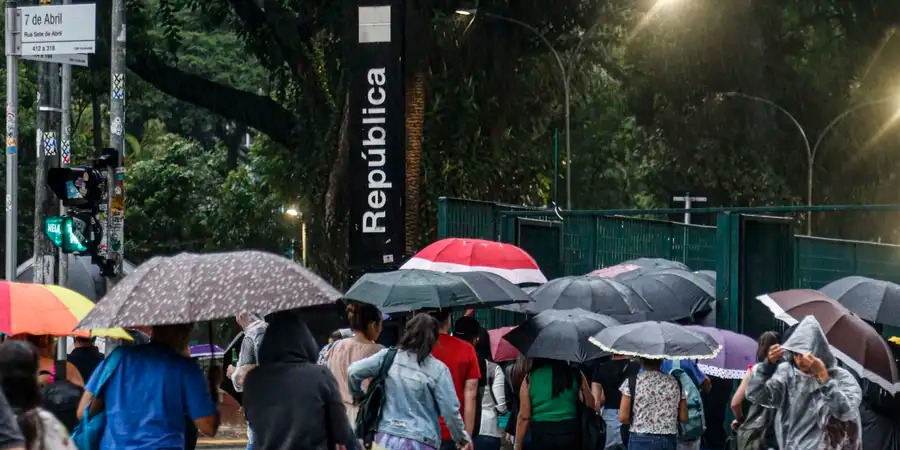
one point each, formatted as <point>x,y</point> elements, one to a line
<point>221,443</point>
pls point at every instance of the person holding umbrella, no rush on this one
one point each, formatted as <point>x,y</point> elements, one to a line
<point>548,405</point>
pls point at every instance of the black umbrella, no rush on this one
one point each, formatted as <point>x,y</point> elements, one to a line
<point>657,340</point>
<point>492,289</point>
<point>413,289</point>
<point>708,275</point>
<point>632,267</point>
<point>873,300</point>
<point>598,295</point>
<point>560,335</point>
<point>673,294</point>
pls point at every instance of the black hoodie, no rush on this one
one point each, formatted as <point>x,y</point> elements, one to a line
<point>290,402</point>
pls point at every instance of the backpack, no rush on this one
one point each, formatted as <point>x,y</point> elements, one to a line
<point>372,401</point>
<point>61,398</point>
<point>696,424</point>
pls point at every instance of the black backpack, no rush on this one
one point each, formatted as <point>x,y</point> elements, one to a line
<point>61,398</point>
<point>372,402</point>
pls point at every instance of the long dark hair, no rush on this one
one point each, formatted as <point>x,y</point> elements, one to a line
<point>766,340</point>
<point>420,336</point>
<point>563,375</point>
<point>19,364</point>
<point>520,369</point>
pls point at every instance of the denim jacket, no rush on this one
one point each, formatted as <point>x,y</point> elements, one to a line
<point>416,396</point>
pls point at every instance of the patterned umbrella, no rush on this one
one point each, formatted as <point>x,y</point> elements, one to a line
<point>39,309</point>
<point>189,288</point>
<point>738,353</point>
<point>469,255</point>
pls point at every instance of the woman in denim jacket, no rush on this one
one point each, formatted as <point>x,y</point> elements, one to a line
<point>418,390</point>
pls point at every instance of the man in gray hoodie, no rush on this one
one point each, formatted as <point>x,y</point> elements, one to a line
<point>817,401</point>
<point>254,331</point>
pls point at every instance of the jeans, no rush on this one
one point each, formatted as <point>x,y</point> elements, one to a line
<point>249,438</point>
<point>486,443</point>
<point>640,441</point>
<point>613,427</point>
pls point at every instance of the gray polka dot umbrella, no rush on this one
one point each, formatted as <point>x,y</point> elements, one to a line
<point>190,288</point>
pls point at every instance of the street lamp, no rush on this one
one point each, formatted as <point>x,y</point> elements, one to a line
<point>292,212</point>
<point>812,151</point>
<point>565,80</point>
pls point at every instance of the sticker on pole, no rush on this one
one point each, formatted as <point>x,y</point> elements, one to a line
<point>57,29</point>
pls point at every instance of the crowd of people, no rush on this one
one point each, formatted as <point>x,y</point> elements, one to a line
<point>442,391</point>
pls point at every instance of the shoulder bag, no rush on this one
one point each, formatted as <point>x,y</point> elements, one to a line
<point>89,432</point>
<point>372,401</point>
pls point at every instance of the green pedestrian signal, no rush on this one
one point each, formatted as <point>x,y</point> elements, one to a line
<point>67,233</point>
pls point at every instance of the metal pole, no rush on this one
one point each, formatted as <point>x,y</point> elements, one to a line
<point>115,180</point>
<point>687,208</point>
<point>12,138</point>
<point>65,132</point>
<point>48,102</point>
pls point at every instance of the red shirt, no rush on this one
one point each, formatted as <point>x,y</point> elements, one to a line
<point>459,356</point>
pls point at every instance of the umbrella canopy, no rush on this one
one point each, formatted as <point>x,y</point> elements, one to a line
<point>493,289</point>
<point>560,335</point>
<point>192,287</point>
<point>852,340</point>
<point>411,290</point>
<point>673,294</point>
<point>738,352</point>
<point>873,300</point>
<point>640,264</point>
<point>468,255</point>
<point>39,309</point>
<point>207,351</point>
<point>501,349</point>
<point>82,275</point>
<point>708,275</point>
<point>597,295</point>
<point>657,340</point>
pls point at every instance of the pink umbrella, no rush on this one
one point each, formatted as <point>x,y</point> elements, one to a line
<point>613,271</point>
<point>501,349</point>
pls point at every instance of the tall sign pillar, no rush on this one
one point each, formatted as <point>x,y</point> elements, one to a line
<point>377,135</point>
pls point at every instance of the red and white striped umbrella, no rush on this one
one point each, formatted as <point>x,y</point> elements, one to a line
<point>467,255</point>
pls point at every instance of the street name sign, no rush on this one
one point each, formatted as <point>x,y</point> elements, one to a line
<point>57,29</point>
<point>72,59</point>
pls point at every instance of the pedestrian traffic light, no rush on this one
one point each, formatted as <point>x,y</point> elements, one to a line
<point>80,187</point>
<point>70,234</point>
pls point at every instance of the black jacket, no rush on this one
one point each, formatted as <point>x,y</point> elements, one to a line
<point>290,402</point>
<point>85,359</point>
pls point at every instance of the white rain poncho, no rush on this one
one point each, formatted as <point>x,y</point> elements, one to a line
<point>811,415</point>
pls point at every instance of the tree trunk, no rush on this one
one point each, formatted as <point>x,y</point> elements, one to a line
<point>415,123</point>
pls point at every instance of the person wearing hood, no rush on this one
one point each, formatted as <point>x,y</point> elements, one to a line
<point>291,402</point>
<point>817,402</point>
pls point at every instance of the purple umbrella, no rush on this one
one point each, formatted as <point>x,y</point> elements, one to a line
<point>737,355</point>
<point>206,351</point>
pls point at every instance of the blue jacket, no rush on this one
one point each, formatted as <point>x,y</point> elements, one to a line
<point>416,396</point>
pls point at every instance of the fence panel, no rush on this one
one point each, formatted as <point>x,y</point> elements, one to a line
<point>820,261</point>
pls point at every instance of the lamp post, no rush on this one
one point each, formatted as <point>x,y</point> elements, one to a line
<point>565,81</point>
<point>812,151</point>
<point>294,214</point>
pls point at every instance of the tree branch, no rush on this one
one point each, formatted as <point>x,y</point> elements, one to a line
<point>258,112</point>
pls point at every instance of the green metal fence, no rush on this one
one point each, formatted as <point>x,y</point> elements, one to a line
<point>586,241</point>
